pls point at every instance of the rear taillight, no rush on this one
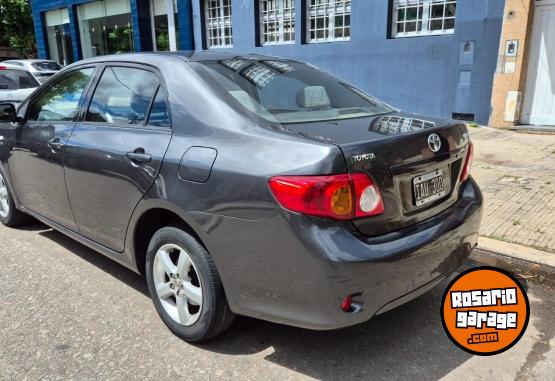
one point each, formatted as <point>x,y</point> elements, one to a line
<point>341,197</point>
<point>468,162</point>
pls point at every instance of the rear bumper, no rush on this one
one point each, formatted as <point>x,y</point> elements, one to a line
<point>305,267</point>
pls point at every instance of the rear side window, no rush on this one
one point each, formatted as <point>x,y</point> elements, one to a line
<point>159,115</point>
<point>59,101</point>
<point>16,79</point>
<point>46,65</point>
<point>122,96</point>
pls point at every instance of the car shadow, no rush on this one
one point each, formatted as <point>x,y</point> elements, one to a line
<point>405,343</point>
<point>104,263</point>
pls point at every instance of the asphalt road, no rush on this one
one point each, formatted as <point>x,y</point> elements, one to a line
<point>67,312</point>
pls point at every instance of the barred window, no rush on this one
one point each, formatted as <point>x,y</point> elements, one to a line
<point>277,22</point>
<point>423,17</point>
<point>219,30</point>
<point>329,20</point>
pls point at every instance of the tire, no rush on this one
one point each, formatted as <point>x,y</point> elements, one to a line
<point>176,295</point>
<point>9,215</point>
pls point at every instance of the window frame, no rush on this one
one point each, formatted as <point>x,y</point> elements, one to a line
<point>222,27</point>
<point>331,14</point>
<point>54,79</point>
<point>425,18</point>
<point>131,65</point>
<point>280,13</point>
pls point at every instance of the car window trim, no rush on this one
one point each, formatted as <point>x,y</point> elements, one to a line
<point>132,65</point>
<point>152,105</point>
<point>55,78</point>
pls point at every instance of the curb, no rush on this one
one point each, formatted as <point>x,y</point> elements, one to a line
<point>524,262</point>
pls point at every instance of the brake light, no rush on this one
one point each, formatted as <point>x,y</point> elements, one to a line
<point>468,162</point>
<point>2,68</point>
<point>340,197</point>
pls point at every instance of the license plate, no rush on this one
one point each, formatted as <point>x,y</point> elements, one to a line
<point>428,187</point>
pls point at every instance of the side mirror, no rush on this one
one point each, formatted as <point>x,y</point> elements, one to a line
<point>8,113</point>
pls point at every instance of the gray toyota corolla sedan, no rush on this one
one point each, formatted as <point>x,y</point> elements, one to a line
<point>243,185</point>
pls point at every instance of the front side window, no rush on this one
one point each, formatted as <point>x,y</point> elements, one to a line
<point>286,91</point>
<point>60,100</point>
<point>329,20</point>
<point>277,21</point>
<point>122,96</point>
<point>423,17</point>
<point>219,28</point>
<point>16,79</point>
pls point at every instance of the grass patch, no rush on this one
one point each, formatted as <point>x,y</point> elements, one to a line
<point>473,125</point>
<point>516,222</point>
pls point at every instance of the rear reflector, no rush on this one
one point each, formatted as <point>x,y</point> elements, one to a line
<point>468,162</point>
<point>340,197</point>
<point>346,303</point>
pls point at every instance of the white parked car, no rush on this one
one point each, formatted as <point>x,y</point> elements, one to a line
<point>40,69</point>
<point>16,83</point>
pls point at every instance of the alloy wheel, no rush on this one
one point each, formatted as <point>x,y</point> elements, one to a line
<point>177,284</point>
<point>4,198</point>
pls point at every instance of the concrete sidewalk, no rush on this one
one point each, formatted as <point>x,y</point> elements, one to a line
<point>516,172</point>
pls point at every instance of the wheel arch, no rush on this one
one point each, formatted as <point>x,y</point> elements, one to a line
<point>147,220</point>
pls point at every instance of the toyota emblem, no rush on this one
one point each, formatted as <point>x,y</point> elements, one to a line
<point>434,142</point>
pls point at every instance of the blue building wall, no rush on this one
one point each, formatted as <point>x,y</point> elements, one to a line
<point>417,74</point>
<point>428,74</point>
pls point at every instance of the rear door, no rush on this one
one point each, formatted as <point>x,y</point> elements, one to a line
<point>116,150</point>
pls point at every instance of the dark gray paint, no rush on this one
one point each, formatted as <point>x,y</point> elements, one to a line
<point>274,264</point>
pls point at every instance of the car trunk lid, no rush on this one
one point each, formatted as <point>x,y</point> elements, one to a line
<point>394,150</point>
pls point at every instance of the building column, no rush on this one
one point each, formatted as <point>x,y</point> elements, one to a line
<point>40,35</point>
<point>512,64</point>
<point>74,32</point>
<point>185,20</point>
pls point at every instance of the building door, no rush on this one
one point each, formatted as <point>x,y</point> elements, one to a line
<point>105,27</point>
<point>165,27</point>
<point>59,38</point>
<point>539,101</point>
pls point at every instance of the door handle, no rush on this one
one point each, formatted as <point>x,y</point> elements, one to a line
<point>56,144</point>
<point>139,156</point>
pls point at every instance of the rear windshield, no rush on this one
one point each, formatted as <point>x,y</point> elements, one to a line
<point>288,91</point>
<point>16,79</point>
<point>46,66</point>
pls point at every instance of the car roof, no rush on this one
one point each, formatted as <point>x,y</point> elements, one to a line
<point>187,55</point>
<point>6,65</point>
<point>29,60</point>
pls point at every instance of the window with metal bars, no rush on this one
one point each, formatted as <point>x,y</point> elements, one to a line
<point>218,23</point>
<point>423,17</point>
<point>277,22</point>
<point>328,20</point>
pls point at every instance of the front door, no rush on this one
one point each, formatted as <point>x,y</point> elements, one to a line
<point>114,154</point>
<point>539,102</point>
<point>36,162</point>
